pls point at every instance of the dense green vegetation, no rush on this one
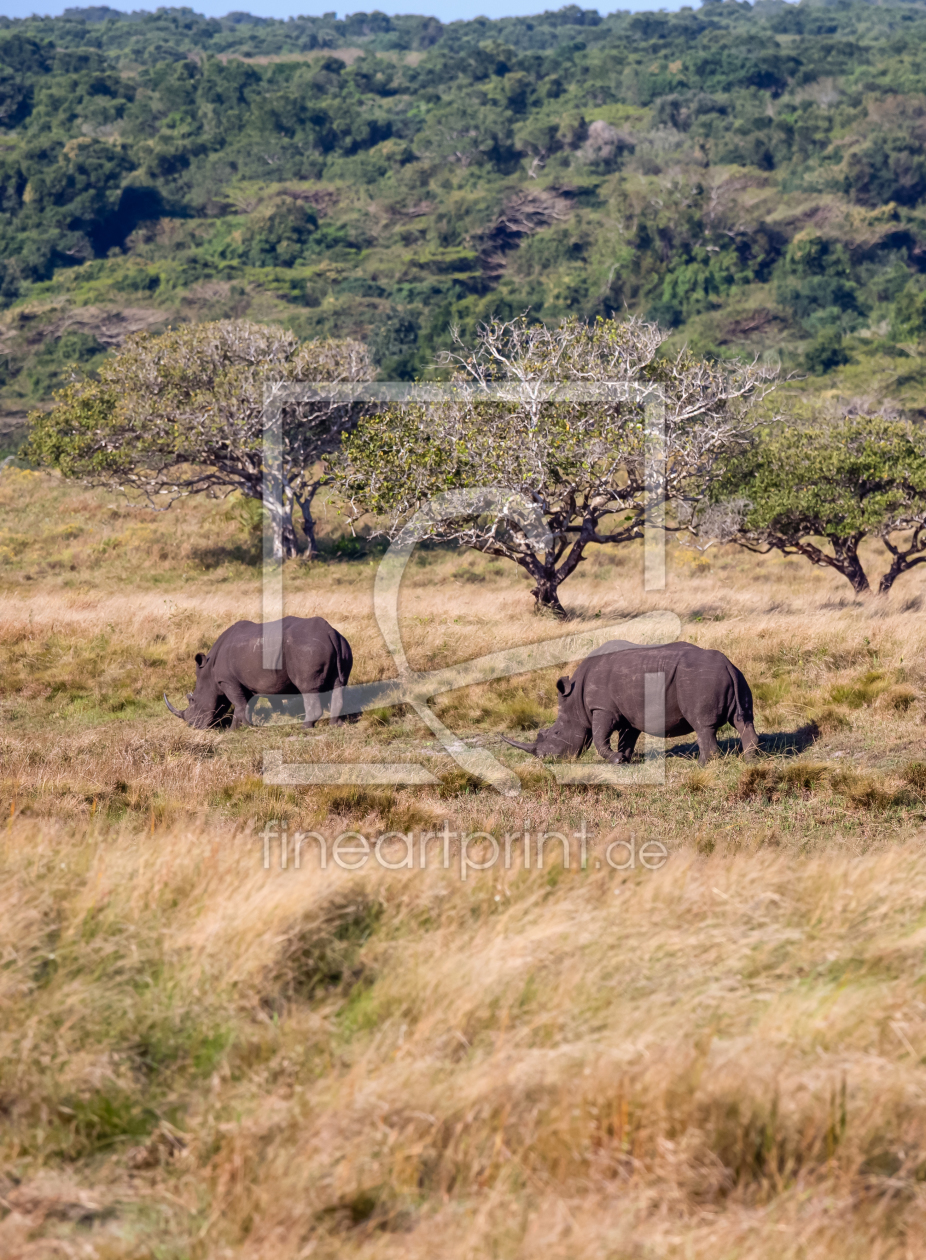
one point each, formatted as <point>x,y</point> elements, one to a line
<point>752,177</point>
<point>817,490</point>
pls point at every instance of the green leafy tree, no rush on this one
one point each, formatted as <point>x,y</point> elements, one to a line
<point>213,152</point>
<point>558,416</point>
<point>908,316</point>
<point>889,168</point>
<point>184,413</point>
<point>825,352</point>
<point>816,282</point>
<point>818,490</point>
<point>278,237</point>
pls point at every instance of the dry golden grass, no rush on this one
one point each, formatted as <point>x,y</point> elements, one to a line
<point>201,1057</point>
<point>723,1057</point>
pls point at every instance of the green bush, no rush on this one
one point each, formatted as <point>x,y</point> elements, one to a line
<point>825,352</point>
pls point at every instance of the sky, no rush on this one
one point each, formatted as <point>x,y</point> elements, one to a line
<point>446,10</point>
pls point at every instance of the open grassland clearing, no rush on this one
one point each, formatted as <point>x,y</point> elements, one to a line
<point>202,1057</point>
<point>86,653</point>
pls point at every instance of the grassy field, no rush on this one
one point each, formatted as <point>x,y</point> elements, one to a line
<point>201,1056</point>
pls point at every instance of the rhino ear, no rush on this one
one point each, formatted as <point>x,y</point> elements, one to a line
<point>564,685</point>
<point>200,659</point>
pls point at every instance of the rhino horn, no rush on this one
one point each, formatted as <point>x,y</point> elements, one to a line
<point>516,743</point>
<point>175,712</point>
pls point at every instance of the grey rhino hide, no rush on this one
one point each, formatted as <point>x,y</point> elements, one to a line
<point>608,693</point>
<point>316,659</point>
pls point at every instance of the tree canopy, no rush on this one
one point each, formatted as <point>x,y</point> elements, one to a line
<point>586,421</point>
<point>185,413</point>
<point>818,489</point>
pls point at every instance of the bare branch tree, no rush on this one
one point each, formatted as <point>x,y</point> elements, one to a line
<point>183,413</point>
<point>563,416</point>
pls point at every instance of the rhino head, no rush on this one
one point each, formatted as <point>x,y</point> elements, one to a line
<point>570,734</point>
<point>206,705</point>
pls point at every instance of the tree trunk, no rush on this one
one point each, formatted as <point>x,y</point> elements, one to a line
<point>546,593</point>
<point>282,535</point>
<point>903,560</point>
<point>290,546</point>
<point>549,578</point>
<point>308,527</point>
<point>889,578</point>
<point>900,564</point>
<point>844,560</point>
<point>852,569</point>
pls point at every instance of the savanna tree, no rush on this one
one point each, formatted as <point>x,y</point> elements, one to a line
<point>818,490</point>
<point>184,413</point>
<point>586,421</point>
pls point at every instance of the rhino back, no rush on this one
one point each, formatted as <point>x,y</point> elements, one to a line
<point>699,687</point>
<point>230,642</point>
<point>236,651</point>
<point>312,652</point>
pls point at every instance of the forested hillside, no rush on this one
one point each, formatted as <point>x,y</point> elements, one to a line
<point>754,177</point>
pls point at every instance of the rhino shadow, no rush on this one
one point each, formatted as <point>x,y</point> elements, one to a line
<point>771,743</point>
<point>291,708</point>
<point>266,708</point>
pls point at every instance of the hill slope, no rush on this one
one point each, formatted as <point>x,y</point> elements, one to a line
<point>751,176</point>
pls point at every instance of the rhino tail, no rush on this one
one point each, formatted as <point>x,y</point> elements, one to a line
<point>742,694</point>
<point>345,660</point>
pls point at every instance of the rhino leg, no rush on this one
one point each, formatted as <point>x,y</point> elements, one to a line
<point>313,709</point>
<point>604,724</point>
<point>748,738</point>
<point>627,737</point>
<point>239,698</point>
<point>707,744</point>
<point>337,701</point>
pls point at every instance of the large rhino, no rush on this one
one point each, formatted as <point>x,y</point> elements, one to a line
<point>609,692</point>
<point>316,659</point>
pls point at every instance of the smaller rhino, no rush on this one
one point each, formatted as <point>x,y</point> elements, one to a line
<point>316,659</point>
<point>609,692</point>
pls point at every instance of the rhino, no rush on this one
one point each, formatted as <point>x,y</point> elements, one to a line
<point>608,693</point>
<point>316,659</point>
